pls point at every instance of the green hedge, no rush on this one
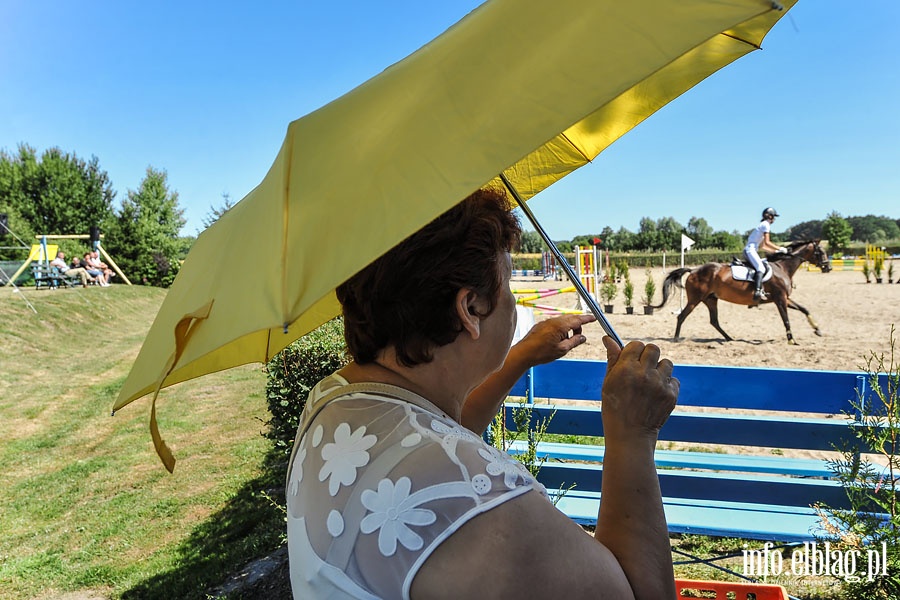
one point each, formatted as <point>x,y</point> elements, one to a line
<point>294,371</point>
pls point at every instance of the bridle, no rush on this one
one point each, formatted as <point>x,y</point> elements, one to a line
<point>821,258</point>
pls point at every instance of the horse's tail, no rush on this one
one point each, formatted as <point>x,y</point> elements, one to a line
<point>673,279</point>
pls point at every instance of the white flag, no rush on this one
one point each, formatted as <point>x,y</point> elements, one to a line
<point>686,242</point>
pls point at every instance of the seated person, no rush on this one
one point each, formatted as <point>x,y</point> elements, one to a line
<point>99,264</point>
<point>60,263</point>
<point>94,271</point>
<point>392,493</point>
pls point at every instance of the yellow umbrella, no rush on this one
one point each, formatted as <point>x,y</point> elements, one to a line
<point>527,88</point>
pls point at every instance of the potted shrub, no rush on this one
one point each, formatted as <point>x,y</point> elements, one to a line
<point>622,270</point>
<point>611,274</point>
<point>649,292</point>
<point>608,291</point>
<point>879,263</point>
<point>867,272</point>
<point>628,292</point>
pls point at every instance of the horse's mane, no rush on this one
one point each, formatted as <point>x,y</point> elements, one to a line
<point>792,247</point>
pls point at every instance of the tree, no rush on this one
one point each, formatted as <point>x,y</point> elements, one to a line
<point>531,243</point>
<point>726,241</point>
<point>145,238</point>
<point>873,229</point>
<point>20,231</point>
<point>215,212</point>
<point>670,232</point>
<point>587,239</point>
<point>807,230</point>
<point>700,231</point>
<point>56,194</point>
<point>608,239</point>
<point>648,236</point>
<point>837,231</point>
<point>564,245</point>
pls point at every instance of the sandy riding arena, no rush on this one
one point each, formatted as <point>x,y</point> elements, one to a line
<point>855,319</point>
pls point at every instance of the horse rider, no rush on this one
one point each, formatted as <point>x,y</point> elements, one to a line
<point>759,240</point>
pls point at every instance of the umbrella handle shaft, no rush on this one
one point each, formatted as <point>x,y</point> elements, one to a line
<point>561,260</point>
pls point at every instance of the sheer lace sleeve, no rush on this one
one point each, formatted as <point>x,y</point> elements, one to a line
<point>376,484</point>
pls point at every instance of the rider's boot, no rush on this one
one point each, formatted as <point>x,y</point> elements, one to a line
<point>759,294</point>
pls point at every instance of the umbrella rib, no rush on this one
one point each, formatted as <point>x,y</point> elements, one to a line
<point>742,40</point>
<point>571,143</point>
<point>285,226</point>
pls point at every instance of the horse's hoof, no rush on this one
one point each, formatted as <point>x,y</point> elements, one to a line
<point>819,333</point>
<point>793,342</point>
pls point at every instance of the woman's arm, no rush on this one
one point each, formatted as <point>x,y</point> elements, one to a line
<point>527,548</point>
<point>547,341</point>
<point>638,395</point>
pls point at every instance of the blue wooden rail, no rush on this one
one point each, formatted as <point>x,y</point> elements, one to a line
<point>721,492</point>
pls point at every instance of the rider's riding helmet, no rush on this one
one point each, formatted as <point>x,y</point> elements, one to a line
<point>770,212</point>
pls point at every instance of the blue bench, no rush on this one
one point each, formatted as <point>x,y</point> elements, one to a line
<point>721,492</point>
<point>47,276</point>
<point>50,277</point>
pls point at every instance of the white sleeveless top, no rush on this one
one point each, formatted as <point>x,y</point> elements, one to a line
<point>377,482</point>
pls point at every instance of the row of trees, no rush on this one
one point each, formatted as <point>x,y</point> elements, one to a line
<point>665,234</point>
<point>58,193</point>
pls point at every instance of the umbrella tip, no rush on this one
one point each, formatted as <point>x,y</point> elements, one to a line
<point>285,327</point>
<point>777,6</point>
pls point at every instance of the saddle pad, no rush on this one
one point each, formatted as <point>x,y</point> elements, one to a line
<point>743,273</point>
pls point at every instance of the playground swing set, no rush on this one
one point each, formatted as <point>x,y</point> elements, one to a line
<point>43,252</point>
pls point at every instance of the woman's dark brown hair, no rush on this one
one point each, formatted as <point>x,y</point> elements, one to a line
<point>406,297</point>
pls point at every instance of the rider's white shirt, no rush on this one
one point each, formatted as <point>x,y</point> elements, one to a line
<point>759,234</point>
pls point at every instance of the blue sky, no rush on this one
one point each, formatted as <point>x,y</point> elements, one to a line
<point>205,91</point>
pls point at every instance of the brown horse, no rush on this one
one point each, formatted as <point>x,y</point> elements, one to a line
<point>713,281</point>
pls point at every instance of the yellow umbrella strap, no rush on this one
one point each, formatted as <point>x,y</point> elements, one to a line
<point>183,331</point>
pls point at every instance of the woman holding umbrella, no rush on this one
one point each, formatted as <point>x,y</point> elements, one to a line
<point>391,491</point>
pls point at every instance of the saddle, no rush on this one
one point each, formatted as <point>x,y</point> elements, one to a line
<point>744,271</point>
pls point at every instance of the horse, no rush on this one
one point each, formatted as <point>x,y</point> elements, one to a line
<point>714,281</point>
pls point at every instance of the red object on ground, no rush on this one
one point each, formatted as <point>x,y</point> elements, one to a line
<point>726,590</point>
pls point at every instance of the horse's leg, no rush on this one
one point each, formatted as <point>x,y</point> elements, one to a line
<point>697,288</point>
<point>782,303</point>
<point>795,306</point>
<point>712,304</point>
<point>683,315</point>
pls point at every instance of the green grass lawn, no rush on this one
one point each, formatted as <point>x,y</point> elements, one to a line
<point>85,503</point>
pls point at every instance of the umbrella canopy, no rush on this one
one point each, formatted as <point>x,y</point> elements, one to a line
<point>530,89</point>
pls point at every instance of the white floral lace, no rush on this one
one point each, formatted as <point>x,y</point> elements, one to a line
<point>344,456</point>
<point>401,478</point>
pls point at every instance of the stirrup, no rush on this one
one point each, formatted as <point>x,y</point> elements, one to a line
<point>760,294</point>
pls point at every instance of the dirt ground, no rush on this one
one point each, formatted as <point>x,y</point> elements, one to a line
<point>855,319</point>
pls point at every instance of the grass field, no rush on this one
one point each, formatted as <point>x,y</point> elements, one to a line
<point>85,503</point>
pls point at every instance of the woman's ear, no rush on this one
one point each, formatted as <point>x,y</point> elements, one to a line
<point>467,311</point>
